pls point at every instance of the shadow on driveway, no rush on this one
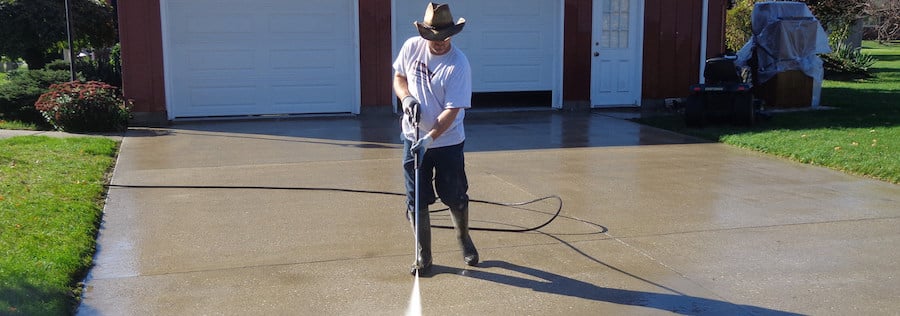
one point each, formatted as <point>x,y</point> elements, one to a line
<point>560,285</point>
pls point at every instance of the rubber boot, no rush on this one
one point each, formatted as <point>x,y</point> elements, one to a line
<point>423,252</point>
<point>460,216</point>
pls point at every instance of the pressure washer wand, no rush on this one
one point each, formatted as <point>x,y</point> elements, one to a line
<point>416,158</point>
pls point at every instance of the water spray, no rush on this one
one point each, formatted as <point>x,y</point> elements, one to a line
<point>415,299</point>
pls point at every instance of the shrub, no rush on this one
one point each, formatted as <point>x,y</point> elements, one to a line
<point>22,89</point>
<point>847,62</point>
<point>58,64</point>
<point>106,68</point>
<point>737,25</point>
<point>91,106</point>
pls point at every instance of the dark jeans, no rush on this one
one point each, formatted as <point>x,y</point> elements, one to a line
<point>446,167</point>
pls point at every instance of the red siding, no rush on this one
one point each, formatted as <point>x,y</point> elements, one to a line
<point>142,58</point>
<point>375,53</point>
<point>577,52</point>
<point>671,47</point>
<point>716,32</point>
<point>672,33</point>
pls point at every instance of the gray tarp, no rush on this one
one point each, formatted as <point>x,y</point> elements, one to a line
<point>786,36</point>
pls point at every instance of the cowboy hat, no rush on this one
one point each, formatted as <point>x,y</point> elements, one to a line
<point>438,23</point>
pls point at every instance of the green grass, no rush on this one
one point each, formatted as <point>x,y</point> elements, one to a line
<point>18,125</point>
<point>861,136</point>
<point>51,199</point>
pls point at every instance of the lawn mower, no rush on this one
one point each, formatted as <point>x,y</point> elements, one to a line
<point>724,98</point>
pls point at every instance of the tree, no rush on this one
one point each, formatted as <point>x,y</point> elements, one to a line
<point>737,25</point>
<point>35,30</point>
<point>886,17</point>
<point>838,16</point>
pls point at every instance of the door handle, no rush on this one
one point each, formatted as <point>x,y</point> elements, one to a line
<point>596,54</point>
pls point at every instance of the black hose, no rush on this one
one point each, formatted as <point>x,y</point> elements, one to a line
<point>220,187</point>
<point>510,230</point>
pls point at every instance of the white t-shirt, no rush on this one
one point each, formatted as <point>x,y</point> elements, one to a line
<point>438,83</point>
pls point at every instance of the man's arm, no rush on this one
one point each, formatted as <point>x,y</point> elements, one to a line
<point>444,121</point>
<point>401,86</point>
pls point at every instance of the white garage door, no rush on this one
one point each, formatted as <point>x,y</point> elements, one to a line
<point>512,45</point>
<point>248,57</point>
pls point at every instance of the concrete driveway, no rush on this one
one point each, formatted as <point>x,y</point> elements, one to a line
<point>248,218</point>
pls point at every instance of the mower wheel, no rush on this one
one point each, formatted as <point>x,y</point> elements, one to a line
<point>744,113</point>
<point>694,113</point>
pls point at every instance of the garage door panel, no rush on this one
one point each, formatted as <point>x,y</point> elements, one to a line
<point>223,96</point>
<point>304,94</point>
<point>520,8</point>
<point>220,60</point>
<point>303,77</point>
<point>319,59</point>
<point>524,74</point>
<point>217,22</point>
<point>514,77</point>
<point>519,41</point>
<point>317,25</point>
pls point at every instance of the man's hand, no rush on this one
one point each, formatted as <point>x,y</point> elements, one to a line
<point>411,109</point>
<point>419,147</point>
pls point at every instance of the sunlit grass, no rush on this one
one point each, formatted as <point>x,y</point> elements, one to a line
<point>51,199</point>
<point>17,125</point>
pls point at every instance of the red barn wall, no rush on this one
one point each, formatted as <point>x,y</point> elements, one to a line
<point>577,28</point>
<point>672,34</point>
<point>140,33</point>
<point>375,55</point>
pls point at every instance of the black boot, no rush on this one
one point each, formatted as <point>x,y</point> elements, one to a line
<point>460,216</point>
<point>423,252</point>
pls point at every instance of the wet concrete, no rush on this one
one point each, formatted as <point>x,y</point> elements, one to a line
<point>221,218</point>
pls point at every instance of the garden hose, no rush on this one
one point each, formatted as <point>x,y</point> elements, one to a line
<point>510,230</point>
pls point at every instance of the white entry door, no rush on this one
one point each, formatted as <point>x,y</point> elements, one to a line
<point>617,53</point>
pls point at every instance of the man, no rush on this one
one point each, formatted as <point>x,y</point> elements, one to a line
<point>433,79</point>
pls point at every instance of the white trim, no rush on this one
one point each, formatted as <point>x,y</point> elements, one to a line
<point>357,86</point>
<point>704,37</point>
<point>640,54</point>
<point>559,68</point>
<point>393,44</point>
<point>167,78</point>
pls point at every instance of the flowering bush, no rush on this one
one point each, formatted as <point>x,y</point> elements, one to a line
<point>91,106</point>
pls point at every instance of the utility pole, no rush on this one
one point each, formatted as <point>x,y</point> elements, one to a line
<point>71,48</point>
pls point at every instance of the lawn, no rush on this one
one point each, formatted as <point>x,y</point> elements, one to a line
<point>861,135</point>
<point>18,125</point>
<point>51,201</point>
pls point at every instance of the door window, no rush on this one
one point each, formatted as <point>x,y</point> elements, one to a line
<point>614,33</point>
